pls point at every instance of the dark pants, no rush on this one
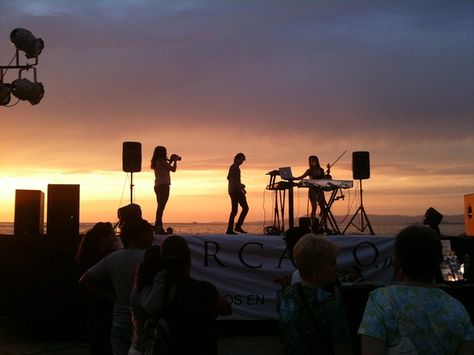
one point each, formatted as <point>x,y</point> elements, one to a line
<point>99,323</point>
<point>162,194</point>
<point>237,198</point>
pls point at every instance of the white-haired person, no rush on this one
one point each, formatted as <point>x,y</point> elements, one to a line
<point>415,314</point>
<point>313,320</point>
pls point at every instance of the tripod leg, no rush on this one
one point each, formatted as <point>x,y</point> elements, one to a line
<point>352,219</point>
<point>367,222</point>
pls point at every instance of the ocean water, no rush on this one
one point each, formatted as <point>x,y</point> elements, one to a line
<point>451,229</point>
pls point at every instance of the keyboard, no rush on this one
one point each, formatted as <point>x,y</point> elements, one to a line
<point>326,184</point>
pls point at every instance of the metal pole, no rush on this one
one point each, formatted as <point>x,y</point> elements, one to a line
<point>131,187</point>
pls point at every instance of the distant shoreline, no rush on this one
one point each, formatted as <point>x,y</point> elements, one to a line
<point>376,219</point>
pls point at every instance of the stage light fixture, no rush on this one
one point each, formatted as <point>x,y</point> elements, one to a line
<point>5,90</point>
<point>25,89</point>
<point>26,42</point>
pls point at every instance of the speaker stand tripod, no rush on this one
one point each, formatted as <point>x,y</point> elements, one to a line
<point>364,220</point>
<point>131,187</point>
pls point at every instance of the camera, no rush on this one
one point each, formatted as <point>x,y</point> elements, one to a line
<point>175,157</point>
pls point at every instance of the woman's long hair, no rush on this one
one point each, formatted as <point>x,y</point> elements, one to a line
<point>94,245</point>
<point>148,268</point>
<point>316,159</point>
<point>158,153</point>
<point>176,256</point>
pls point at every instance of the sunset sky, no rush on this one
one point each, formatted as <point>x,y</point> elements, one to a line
<point>277,80</point>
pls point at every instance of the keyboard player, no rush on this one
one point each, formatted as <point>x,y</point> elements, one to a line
<point>315,194</point>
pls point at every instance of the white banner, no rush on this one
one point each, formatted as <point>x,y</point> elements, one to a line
<point>245,269</point>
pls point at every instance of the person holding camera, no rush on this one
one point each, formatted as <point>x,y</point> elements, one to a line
<point>162,167</point>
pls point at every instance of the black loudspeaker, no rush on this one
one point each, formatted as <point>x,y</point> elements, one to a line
<point>29,212</point>
<point>360,165</point>
<point>63,210</point>
<point>132,157</point>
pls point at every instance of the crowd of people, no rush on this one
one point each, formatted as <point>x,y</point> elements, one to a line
<point>158,308</point>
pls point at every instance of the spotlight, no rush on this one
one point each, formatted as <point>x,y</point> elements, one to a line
<point>25,89</point>
<point>26,42</point>
<point>5,96</point>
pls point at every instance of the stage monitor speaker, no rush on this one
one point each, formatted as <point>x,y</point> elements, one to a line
<point>29,213</point>
<point>468,220</point>
<point>132,157</point>
<point>360,165</point>
<point>304,224</point>
<point>63,210</point>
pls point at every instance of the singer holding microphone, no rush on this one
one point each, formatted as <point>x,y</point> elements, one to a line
<point>162,166</point>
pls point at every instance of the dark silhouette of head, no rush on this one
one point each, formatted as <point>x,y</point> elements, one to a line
<point>158,153</point>
<point>418,253</point>
<point>433,218</point>
<point>176,255</point>
<point>239,158</point>
<point>137,234</point>
<point>95,244</point>
<point>315,256</point>
<point>313,160</point>
<point>149,267</point>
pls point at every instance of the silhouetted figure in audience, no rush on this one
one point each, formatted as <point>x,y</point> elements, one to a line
<point>432,219</point>
<point>148,297</point>
<point>118,268</point>
<point>195,304</point>
<point>162,166</point>
<point>97,243</point>
<point>416,314</point>
<point>237,196</point>
<point>312,319</point>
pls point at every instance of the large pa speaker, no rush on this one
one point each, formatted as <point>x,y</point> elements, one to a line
<point>132,157</point>
<point>63,210</point>
<point>360,165</point>
<point>29,213</point>
<point>468,220</point>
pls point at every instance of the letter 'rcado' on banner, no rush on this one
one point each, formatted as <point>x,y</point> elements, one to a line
<point>246,269</point>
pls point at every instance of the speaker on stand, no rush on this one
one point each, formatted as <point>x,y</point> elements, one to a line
<point>131,161</point>
<point>360,171</point>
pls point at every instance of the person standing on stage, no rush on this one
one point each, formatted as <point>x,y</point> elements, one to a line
<point>237,196</point>
<point>315,194</point>
<point>162,167</point>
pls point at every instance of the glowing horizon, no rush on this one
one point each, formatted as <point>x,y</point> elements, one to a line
<point>278,81</point>
<point>201,196</point>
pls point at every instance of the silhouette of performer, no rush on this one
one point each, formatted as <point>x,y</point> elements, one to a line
<point>237,196</point>
<point>162,167</point>
<point>315,194</point>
